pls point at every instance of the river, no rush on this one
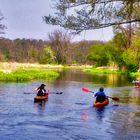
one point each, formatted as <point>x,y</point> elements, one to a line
<point>70,116</point>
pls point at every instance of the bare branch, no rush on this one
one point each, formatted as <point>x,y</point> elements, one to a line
<point>2,27</point>
<point>94,14</point>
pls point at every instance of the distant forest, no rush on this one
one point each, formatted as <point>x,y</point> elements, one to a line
<point>121,52</point>
<point>30,50</point>
<point>58,50</point>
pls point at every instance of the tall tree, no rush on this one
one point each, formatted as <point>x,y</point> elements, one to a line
<point>47,56</point>
<point>79,15</point>
<point>60,43</point>
<point>2,27</point>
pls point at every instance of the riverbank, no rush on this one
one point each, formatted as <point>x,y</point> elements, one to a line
<point>13,66</point>
<point>8,69</point>
<point>21,72</point>
<point>102,70</point>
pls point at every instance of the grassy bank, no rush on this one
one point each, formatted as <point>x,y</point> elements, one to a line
<point>21,72</point>
<point>22,75</point>
<point>103,71</point>
<point>12,66</point>
<point>131,75</point>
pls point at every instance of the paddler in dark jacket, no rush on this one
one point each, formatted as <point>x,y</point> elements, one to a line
<point>41,91</point>
<point>100,95</point>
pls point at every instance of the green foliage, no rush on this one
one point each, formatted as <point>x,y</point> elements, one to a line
<point>135,75</point>
<point>103,54</point>
<point>112,52</point>
<point>47,56</point>
<point>132,67</point>
<point>119,41</point>
<point>22,75</point>
<point>130,58</point>
<point>97,55</point>
<point>102,71</point>
<point>136,48</point>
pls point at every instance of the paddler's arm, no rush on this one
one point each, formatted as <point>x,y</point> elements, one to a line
<point>36,90</point>
<point>94,94</point>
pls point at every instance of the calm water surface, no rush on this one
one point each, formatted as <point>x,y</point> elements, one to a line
<point>70,116</point>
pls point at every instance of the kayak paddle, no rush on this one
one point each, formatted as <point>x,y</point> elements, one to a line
<point>49,93</point>
<point>86,90</point>
<point>55,92</point>
<point>113,98</point>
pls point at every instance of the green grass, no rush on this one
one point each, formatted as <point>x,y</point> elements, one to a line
<point>22,75</point>
<point>102,71</point>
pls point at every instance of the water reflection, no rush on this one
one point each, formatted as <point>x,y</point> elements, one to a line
<point>99,112</point>
<point>135,92</point>
<point>84,115</point>
<point>135,95</point>
<point>130,95</point>
<point>40,107</point>
<point>107,79</point>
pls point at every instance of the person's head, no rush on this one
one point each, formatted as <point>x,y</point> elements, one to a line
<point>42,85</point>
<point>101,89</point>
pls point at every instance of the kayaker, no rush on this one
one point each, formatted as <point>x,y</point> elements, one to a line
<point>41,91</point>
<point>100,95</point>
<point>136,82</point>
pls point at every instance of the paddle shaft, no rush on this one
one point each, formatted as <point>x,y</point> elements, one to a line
<point>48,93</point>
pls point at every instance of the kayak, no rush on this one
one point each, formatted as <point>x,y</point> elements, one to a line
<point>137,86</point>
<point>40,98</point>
<point>100,105</point>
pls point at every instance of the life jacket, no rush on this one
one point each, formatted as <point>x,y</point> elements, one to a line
<point>41,92</point>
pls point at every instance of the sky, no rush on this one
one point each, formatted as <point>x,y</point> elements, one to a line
<point>23,19</point>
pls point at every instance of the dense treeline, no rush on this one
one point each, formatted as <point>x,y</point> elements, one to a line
<point>55,51</point>
<point>21,50</point>
<point>60,50</point>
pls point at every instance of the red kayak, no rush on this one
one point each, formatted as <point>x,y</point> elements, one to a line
<point>41,98</point>
<point>138,86</point>
<point>102,104</point>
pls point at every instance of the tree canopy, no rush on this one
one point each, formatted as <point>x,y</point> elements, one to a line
<point>79,15</point>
